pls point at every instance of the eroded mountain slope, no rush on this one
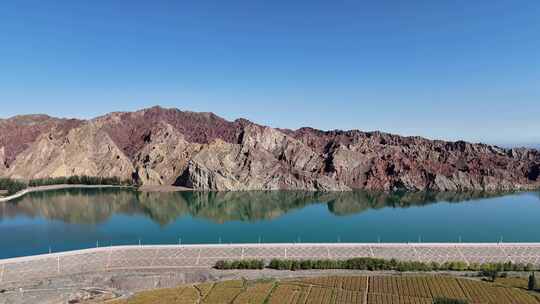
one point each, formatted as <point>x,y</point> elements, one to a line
<point>159,146</point>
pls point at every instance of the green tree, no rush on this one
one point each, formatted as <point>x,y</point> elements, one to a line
<point>12,186</point>
<point>532,281</point>
<point>492,274</point>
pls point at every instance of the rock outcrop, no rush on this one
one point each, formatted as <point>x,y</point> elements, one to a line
<point>86,150</point>
<point>159,146</point>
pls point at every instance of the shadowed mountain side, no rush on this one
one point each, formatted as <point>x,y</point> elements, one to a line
<point>93,206</point>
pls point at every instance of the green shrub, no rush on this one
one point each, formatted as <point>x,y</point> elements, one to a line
<point>492,274</point>
<point>295,265</point>
<point>532,282</point>
<point>79,180</point>
<point>457,266</point>
<point>240,264</point>
<point>12,186</point>
<point>306,264</point>
<point>222,265</point>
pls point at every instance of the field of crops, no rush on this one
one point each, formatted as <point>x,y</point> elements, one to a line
<point>339,289</point>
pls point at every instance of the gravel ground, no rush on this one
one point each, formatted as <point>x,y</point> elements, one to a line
<point>97,287</point>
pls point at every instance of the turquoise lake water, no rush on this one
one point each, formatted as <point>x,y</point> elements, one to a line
<point>82,218</point>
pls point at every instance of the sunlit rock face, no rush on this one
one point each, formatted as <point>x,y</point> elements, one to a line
<point>86,150</point>
<point>158,146</point>
<point>3,164</point>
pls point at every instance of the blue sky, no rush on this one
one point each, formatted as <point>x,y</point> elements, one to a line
<point>441,69</point>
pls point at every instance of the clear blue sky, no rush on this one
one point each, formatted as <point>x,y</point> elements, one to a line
<point>442,69</point>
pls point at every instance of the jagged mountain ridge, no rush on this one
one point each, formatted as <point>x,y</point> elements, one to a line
<point>158,146</point>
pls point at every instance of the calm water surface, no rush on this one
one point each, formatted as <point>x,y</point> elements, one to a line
<point>74,219</point>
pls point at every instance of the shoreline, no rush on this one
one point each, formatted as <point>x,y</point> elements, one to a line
<point>148,188</point>
<point>164,188</point>
<point>169,189</point>
<point>56,187</point>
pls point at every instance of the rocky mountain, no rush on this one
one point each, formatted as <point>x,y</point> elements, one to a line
<point>158,146</point>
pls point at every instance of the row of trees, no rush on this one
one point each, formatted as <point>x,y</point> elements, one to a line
<point>13,185</point>
<point>240,264</point>
<point>79,180</point>
<point>381,264</point>
<point>366,263</point>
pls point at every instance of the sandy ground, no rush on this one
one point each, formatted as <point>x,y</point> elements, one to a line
<point>163,188</point>
<point>96,287</point>
<point>55,187</point>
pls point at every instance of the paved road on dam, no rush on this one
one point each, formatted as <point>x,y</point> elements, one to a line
<point>205,256</point>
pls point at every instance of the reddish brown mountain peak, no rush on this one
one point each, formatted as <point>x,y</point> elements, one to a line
<point>245,122</point>
<point>18,132</point>
<point>128,129</point>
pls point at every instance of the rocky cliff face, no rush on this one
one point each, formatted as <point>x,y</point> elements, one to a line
<point>159,146</point>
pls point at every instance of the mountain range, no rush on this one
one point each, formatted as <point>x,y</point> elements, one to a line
<point>202,151</point>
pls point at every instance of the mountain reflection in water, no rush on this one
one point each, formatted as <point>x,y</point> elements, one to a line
<point>93,206</point>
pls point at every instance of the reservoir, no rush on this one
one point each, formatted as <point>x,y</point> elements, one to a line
<point>83,218</point>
